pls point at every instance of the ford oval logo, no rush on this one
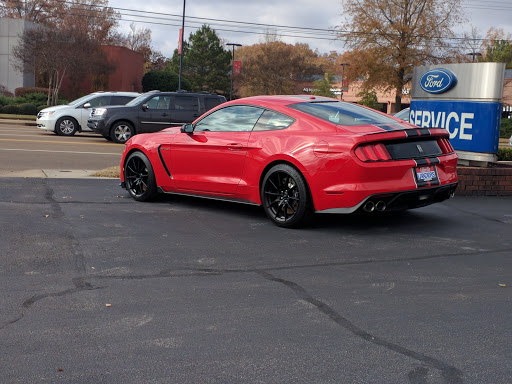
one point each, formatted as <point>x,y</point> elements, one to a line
<point>438,80</point>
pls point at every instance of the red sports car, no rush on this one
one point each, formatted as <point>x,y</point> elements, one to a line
<point>295,155</point>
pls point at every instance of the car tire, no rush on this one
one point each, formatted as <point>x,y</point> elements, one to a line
<point>139,177</point>
<point>285,197</point>
<point>121,132</point>
<point>66,126</point>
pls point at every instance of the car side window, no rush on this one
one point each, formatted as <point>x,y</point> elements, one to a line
<point>159,102</point>
<point>186,103</point>
<point>120,100</point>
<point>271,121</point>
<point>100,101</point>
<point>237,118</point>
<point>210,102</point>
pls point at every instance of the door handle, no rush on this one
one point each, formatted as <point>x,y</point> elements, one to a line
<point>165,114</point>
<point>235,146</point>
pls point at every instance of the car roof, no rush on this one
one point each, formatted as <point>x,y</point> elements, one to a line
<point>282,100</point>
<point>115,93</point>
<point>186,93</point>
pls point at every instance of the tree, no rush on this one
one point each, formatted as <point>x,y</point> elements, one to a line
<point>36,11</point>
<point>68,41</point>
<point>45,50</point>
<point>273,67</point>
<point>139,40</point>
<point>471,46</point>
<point>497,47</point>
<point>324,85</point>
<point>206,62</point>
<point>93,18</point>
<point>389,38</point>
<point>369,99</point>
<point>165,81</point>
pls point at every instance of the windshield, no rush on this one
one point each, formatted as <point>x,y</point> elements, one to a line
<point>80,100</point>
<point>343,113</point>
<point>137,100</point>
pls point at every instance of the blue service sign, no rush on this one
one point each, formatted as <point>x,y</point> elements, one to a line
<point>473,126</point>
<point>438,80</point>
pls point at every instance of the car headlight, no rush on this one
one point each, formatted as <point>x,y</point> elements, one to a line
<point>45,114</point>
<point>98,112</point>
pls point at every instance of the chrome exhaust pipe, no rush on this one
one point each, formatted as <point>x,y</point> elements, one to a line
<point>380,206</point>
<point>369,206</point>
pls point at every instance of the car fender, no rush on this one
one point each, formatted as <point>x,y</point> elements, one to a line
<point>135,147</point>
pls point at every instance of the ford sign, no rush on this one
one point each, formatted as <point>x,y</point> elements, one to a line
<point>437,80</point>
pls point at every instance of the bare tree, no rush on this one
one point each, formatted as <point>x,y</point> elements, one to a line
<point>472,44</point>
<point>45,50</point>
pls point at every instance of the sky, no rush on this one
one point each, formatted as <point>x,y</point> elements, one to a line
<point>246,21</point>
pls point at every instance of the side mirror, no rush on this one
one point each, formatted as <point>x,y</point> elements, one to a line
<point>87,105</point>
<point>145,107</point>
<point>187,128</point>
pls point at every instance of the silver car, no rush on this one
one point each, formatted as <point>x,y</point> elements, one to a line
<point>403,114</point>
<point>66,120</point>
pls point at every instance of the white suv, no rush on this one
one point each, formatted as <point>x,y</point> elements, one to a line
<point>65,120</point>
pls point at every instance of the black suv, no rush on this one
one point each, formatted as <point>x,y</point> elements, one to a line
<point>151,112</point>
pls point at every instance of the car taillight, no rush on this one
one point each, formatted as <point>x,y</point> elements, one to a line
<point>372,152</point>
<point>445,145</point>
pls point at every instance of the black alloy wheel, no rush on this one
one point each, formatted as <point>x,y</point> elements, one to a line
<point>285,197</point>
<point>66,126</point>
<point>139,177</point>
<point>121,132</point>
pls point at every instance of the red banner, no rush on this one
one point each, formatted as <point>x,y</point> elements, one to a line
<point>237,68</point>
<point>345,86</point>
<point>180,42</point>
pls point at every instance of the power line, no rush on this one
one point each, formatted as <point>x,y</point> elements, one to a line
<point>167,19</point>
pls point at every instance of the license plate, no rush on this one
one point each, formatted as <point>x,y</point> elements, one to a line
<point>426,174</point>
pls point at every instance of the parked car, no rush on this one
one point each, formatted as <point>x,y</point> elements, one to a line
<point>403,114</point>
<point>295,155</point>
<point>66,120</point>
<point>151,112</point>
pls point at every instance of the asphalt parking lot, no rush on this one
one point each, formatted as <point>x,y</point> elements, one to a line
<point>98,288</point>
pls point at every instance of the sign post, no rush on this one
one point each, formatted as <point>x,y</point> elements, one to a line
<point>466,100</point>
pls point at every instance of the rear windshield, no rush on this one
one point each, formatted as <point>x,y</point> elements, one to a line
<point>342,113</point>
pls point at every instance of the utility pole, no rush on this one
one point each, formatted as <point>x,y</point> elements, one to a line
<point>232,68</point>
<point>182,33</point>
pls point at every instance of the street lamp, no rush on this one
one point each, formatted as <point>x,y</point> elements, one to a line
<point>474,54</point>
<point>343,65</point>
<point>232,68</point>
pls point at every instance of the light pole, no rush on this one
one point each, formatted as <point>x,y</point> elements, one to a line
<point>474,54</point>
<point>182,33</point>
<point>232,68</point>
<point>343,65</point>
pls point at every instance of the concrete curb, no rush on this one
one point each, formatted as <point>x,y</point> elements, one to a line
<point>18,122</point>
<point>54,174</point>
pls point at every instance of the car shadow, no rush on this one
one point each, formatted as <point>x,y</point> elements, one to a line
<point>415,219</point>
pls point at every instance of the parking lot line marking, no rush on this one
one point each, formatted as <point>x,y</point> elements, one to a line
<point>48,151</point>
<point>57,142</point>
